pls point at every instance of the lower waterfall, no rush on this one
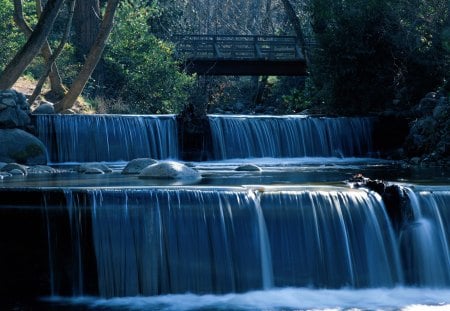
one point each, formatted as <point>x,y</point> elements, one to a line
<point>152,241</point>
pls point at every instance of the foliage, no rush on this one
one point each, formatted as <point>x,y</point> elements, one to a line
<point>370,52</point>
<point>142,71</point>
<point>299,99</point>
<point>11,39</point>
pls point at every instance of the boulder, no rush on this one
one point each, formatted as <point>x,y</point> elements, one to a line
<point>45,108</point>
<point>14,117</point>
<point>248,168</point>
<point>21,147</point>
<point>14,110</point>
<point>169,170</point>
<point>137,165</point>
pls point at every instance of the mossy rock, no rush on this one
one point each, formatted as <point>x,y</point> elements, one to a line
<point>21,147</point>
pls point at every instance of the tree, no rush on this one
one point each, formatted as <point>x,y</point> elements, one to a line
<point>296,24</point>
<point>92,58</point>
<point>55,78</point>
<point>51,61</point>
<point>28,52</point>
<point>87,20</point>
<point>371,52</point>
<point>140,66</point>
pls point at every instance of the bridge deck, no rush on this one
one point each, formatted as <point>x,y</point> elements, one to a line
<point>240,55</point>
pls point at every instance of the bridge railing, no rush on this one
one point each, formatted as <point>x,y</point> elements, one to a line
<point>237,47</point>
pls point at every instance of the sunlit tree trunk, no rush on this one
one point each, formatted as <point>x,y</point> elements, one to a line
<point>92,58</point>
<point>51,61</point>
<point>56,84</point>
<point>28,52</point>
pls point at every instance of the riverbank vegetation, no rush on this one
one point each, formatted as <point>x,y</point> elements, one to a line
<point>363,56</point>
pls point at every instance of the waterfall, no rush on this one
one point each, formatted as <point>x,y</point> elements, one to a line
<point>425,238</point>
<point>331,239</point>
<point>155,241</point>
<point>90,138</point>
<point>290,136</point>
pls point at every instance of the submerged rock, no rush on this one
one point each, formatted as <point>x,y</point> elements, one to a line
<point>15,169</point>
<point>137,165</point>
<point>248,168</point>
<point>94,168</point>
<point>94,171</point>
<point>21,147</point>
<point>41,169</point>
<point>169,170</point>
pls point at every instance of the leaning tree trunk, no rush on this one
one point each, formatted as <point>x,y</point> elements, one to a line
<point>50,62</point>
<point>92,58</point>
<point>56,84</point>
<point>28,52</point>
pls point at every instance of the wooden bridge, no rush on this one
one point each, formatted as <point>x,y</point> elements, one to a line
<point>240,55</point>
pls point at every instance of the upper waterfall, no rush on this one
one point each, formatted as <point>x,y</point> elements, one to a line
<point>290,136</point>
<point>89,138</point>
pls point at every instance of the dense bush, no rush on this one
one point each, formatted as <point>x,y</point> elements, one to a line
<point>371,52</point>
<point>140,69</point>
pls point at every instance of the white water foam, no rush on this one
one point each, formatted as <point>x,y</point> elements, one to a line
<point>407,299</point>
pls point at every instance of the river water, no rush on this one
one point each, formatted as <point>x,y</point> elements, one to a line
<point>293,236</point>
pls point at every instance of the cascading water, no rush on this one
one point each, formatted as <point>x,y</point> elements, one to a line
<point>110,138</point>
<point>154,241</point>
<point>152,245</point>
<point>425,238</point>
<point>290,136</point>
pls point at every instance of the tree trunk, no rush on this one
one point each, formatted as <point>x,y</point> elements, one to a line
<point>28,52</point>
<point>55,78</point>
<point>50,62</point>
<point>294,20</point>
<point>87,24</point>
<point>92,58</point>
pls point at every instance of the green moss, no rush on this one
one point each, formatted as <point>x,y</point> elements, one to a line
<point>30,151</point>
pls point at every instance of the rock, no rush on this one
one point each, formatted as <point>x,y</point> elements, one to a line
<point>442,110</point>
<point>137,165</point>
<point>396,202</point>
<point>16,172</point>
<point>15,169</point>
<point>248,168</point>
<point>415,160</point>
<point>4,175</point>
<point>13,118</point>
<point>45,108</point>
<point>169,170</point>
<point>41,169</point>
<point>93,168</point>
<point>425,106</point>
<point>93,171</point>
<point>21,147</point>
<point>14,110</point>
